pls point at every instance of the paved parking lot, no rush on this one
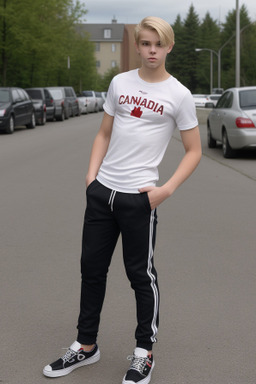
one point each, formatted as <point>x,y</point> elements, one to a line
<point>205,256</point>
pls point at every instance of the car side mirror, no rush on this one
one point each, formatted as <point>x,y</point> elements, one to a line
<point>209,105</point>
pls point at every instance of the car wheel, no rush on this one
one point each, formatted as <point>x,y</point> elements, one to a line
<point>10,128</point>
<point>43,120</point>
<point>227,151</point>
<point>62,116</point>
<point>32,123</point>
<point>210,140</point>
<point>67,114</point>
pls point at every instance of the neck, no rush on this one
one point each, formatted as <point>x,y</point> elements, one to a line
<point>153,75</point>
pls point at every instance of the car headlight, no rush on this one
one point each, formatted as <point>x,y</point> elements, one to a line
<point>2,112</point>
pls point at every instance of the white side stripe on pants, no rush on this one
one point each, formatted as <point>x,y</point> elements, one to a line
<point>152,277</point>
<point>111,199</point>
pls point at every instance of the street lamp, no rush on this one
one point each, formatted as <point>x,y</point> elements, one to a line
<point>211,65</point>
<point>218,54</point>
<point>237,44</point>
<point>237,34</point>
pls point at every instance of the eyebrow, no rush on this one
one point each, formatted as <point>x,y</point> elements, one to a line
<point>148,41</point>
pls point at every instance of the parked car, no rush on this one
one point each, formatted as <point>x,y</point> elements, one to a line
<point>217,91</point>
<point>212,100</point>
<point>71,97</point>
<point>82,100</point>
<point>62,108</point>
<point>233,121</point>
<point>200,100</point>
<point>16,109</point>
<point>43,104</point>
<point>104,95</point>
<point>100,100</point>
<point>92,102</point>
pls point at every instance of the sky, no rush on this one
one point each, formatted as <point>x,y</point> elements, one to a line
<point>132,11</point>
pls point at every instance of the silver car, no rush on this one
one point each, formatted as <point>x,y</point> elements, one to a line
<point>233,121</point>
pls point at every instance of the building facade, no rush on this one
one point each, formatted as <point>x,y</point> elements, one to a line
<point>114,45</point>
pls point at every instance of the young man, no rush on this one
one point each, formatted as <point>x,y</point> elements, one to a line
<point>143,108</point>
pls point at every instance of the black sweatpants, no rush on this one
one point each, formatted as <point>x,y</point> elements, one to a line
<point>109,213</point>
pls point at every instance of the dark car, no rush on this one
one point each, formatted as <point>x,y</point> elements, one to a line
<point>16,109</point>
<point>62,108</point>
<point>72,99</point>
<point>43,104</point>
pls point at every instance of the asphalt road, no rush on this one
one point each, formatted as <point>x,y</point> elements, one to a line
<point>205,256</point>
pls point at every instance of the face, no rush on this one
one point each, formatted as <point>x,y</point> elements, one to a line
<point>152,53</point>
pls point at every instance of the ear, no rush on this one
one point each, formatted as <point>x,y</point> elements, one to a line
<point>137,47</point>
<point>170,48</point>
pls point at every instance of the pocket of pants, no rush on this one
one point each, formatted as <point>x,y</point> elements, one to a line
<point>146,201</point>
<point>90,185</point>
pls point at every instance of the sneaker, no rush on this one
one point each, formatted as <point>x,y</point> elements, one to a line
<point>140,369</point>
<point>75,357</point>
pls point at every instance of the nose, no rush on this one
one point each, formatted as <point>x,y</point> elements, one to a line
<point>153,48</point>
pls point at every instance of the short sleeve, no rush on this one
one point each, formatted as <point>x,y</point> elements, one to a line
<point>109,105</point>
<point>186,115</point>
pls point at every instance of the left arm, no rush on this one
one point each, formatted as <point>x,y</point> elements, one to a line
<point>193,152</point>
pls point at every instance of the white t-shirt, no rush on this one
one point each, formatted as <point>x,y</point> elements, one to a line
<point>145,116</point>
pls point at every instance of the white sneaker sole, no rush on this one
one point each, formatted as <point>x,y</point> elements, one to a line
<point>47,371</point>
<point>144,381</point>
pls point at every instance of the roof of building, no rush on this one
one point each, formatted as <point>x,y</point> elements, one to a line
<point>98,32</point>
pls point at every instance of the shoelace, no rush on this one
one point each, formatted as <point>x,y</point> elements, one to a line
<point>69,354</point>
<point>138,363</point>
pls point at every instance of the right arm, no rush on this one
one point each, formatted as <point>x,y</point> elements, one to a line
<point>100,147</point>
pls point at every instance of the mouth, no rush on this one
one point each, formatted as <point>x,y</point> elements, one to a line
<point>152,59</point>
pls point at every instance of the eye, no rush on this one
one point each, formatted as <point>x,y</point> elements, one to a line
<point>145,43</point>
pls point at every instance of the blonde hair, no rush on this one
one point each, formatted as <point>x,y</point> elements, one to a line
<point>158,25</point>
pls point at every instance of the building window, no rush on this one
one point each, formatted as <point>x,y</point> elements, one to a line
<point>113,63</point>
<point>113,48</point>
<point>107,33</point>
<point>97,47</point>
<point>98,64</point>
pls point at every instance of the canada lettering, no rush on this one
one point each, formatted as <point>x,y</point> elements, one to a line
<point>142,102</point>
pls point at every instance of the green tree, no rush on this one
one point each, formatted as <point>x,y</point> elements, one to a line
<point>191,40</point>
<point>36,40</point>
<point>248,44</point>
<point>209,38</point>
<point>176,58</point>
<point>106,78</point>
<point>183,59</point>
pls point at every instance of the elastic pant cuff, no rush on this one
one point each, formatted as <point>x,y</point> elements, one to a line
<point>147,346</point>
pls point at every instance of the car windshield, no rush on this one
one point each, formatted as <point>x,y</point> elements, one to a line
<point>87,93</point>
<point>35,94</point>
<point>247,99</point>
<point>56,94</point>
<point>4,96</point>
<point>215,97</point>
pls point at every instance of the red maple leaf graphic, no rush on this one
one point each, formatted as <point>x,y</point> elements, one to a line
<point>136,112</point>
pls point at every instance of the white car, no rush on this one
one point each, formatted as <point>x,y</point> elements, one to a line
<point>92,102</point>
<point>82,100</point>
<point>200,100</point>
<point>100,100</point>
<point>213,99</point>
<point>233,121</point>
